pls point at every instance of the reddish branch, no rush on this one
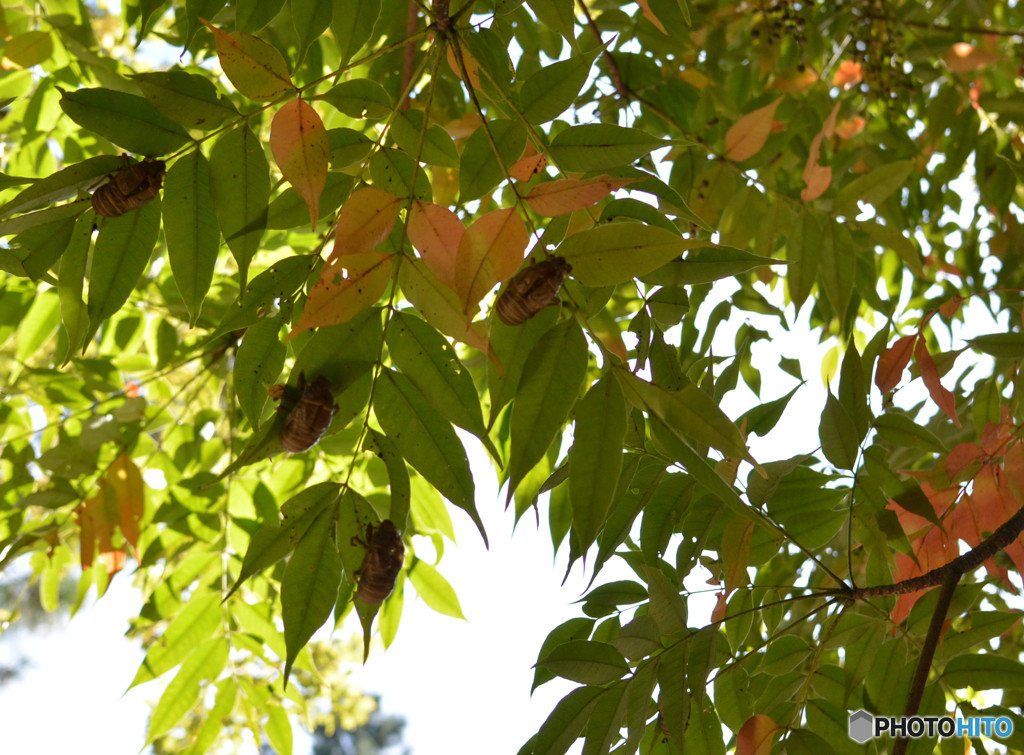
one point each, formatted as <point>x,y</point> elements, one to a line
<point>441,17</point>
<point>411,20</point>
<point>613,66</point>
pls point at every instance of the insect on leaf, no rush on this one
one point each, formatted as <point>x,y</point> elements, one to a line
<point>301,148</point>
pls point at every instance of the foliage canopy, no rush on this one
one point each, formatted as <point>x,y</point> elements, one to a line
<point>350,185</point>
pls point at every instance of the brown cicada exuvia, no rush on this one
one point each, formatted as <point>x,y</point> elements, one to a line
<point>129,188</point>
<point>531,289</point>
<point>309,420</point>
<point>384,555</point>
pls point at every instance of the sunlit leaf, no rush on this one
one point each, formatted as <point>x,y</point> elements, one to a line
<point>749,134</point>
<point>298,140</point>
<point>256,69</point>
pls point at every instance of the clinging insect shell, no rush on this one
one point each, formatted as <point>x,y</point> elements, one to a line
<point>309,420</point>
<point>130,188</point>
<point>384,555</point>
<point>531,289</point>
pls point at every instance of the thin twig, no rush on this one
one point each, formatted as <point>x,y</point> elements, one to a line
<point>613,66</point>
<point>411,21</point>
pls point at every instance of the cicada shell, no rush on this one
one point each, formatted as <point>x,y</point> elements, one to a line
<point>531,289</point>
<point>129,188</point>
<point>384,555</point>
<point>309,420</point>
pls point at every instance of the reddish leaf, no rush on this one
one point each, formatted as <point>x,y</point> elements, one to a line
<point>848,74</point>
<point>951,306</point>
<point>961,457</point>
<point>527,167</point>
<point>97,518</point>
<point>298,140</point>
<point>990,503</point>
<point>735,553</point>
<point>436,232</point>
<point>756,735</point>
<point>892,362</point>
<point>817,176</point>
<point>850,127</point>
<point>649,15</point>
<point>256,69</point>
<point>721,603</point>
<point>749,134</point>
<point>963,57</point>
<point>491,251</point>
<point>355,276</point>
<point>944,398</point>
<point>126,482</point>
<point>932,547</point>
<point>570,194</point>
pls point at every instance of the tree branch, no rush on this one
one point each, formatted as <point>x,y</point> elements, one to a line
<point>411,19</point>
<point>1002,537</point>
<point>613,66</point>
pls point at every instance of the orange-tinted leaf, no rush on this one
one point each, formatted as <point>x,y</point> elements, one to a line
<point>990,503</point>
<point>848,74</point>
<point>721,604</point>
<point>892,362</point>
<point>97,518</point>
<point>850,127</point>
<point>256,69</point>
<point>298,140</point>
<point>748,135</point>
<point>795,80</point>
<point>126,482</point>
<point>817,176</point>
<point>348,284</point>
<point>961,457</point>
<point>472,67</point>
<point>944,398</point>
<point>963,57</point>
<point>735,553</point>
<point>366,220</point>
<point>440,306</point>
<point>570,194</point>
<point>951,306</point>
<point>436,232</point>
<point>756,735</point>
<point>491,251</point>
<point>649,15</point>
<point>526,168</point>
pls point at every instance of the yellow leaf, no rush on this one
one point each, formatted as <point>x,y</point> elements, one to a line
<point>298,140</point>
<point>749,134</point>
<point>649,15</point>
<point>366,220</point>
<point>126,482</point>
<point>491,251</point>
<point>256,69</point>
<point>436,232</point>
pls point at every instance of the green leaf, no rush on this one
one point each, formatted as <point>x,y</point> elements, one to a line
<point>200,618</point>
<point>893,238</point>
<point>352,24</point>
<point>853,390</point>
<point>896,429</point>
<point>595,458</point>
<point>667,606</point>
<point>401,493</point>
<point>558,15</point>
<point>438,147</point>
<point>565,723</point>
<point>289,210</point>
<point>873,187</point>
<point>600,146</point>
<point>801,252</point>
<point>266,292</point>
<point>836,264</point>
<point>70,280</point>
<point>394,171</point>
<point>309,586</point>
<point>550,384</point>
<point>618,252</point>
<point>606,720</point>
<point>204,662</point>
<point>310,19</point>
<point>360,98</point>
<point>981,672</point>
<point>63,184</point>
<point>30,48</point>
<point>119,258</point>
<point>240,188</point>
<point>278,729</point>
<point>223,704</point>
<point>258,363</point>
<point>673,698</point>
<point>785,654</point>
<point>428,359</point>
<point>125,119</point>
<point>586,662</point>
<point>512,345</point>
<point>549,92</point>
<point>347,147</point>
<point>984,625</point>
<point>480,169</point>
<point>190,226</point>
<point>186,98</point>
<point>838,434</point>
<point>690,412</point>
<point>706,262</point>
<point>426,440</point>
<point>573,629</point>
<point>809,512</point>
<point>275,540</point>
<point>1000,345</point>
<point>435,590</point>
<point>762,419</point>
